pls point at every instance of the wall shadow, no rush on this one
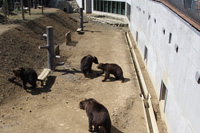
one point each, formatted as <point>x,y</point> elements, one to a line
<point>115,130</point>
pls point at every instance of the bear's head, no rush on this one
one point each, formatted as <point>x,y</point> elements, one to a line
<point>100,66</point>
<point>84,103</point>
<point>95,60</point>
<point>18,72</point>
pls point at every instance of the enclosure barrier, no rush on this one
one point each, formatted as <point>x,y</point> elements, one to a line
<point>147,97</point>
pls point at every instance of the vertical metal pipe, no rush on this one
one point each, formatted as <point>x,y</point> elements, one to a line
<point>81,19</point>
<point>50,44</point>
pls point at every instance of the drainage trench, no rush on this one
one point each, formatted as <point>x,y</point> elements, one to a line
<point>145,95</point>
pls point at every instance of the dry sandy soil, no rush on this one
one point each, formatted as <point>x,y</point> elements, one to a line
<point>54,108</point>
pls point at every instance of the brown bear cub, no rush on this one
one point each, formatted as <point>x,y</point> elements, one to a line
<point>97,114</point>
<point>86,64</point>
<point>27,75</point>
<point>114,69</point>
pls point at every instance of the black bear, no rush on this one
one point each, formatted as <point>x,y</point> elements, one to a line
<point>86,64</point>
<point>114,69</point>
<point>26,75</point>
<point>97,114</point>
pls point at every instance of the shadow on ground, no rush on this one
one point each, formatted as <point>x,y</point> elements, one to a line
<point>72,43</point>
<point>92,75</point>
<point>45,89</point>
<point>113,79</point>
<point>67,71</point>
<point>92,31</point>
<point>113,130</point>
<point>38,90</point>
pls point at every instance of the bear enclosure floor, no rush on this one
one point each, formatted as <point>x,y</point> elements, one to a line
<point>56,109</point>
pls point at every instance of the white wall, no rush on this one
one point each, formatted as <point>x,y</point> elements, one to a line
<point>176,69</point>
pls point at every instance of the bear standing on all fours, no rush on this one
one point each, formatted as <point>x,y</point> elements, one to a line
<point>86,64</point>
<point>97,114</point>
<point>114,69</point>
<point>26,75</point>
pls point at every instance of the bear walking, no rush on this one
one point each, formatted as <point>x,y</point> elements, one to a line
<point>27,75</point>
<point>86,64</point>
<point>97,114</point>
<point>114,69</point>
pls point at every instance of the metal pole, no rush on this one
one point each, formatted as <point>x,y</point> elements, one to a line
<point>22,8</point>
<point>81,19</point>
<point>51,54</point>
<point>50,48</point>
<point>42,6</point>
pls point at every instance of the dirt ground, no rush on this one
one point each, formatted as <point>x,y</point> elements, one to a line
<point>54,107</point>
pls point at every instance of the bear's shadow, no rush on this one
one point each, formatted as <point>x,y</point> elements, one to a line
<point>113,130</point>
<point>39,89</point>
<point>94,74</point>
<point>113,79</point>
<point>43,89</point>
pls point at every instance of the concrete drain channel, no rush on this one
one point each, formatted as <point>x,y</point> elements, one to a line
<point>145,96</point>
<point>110,20</point>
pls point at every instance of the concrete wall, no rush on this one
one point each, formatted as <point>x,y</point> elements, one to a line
<point>154,23</point>
<point>79,3</point>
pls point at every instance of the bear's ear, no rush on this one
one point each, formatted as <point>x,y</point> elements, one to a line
<point>95,60</point>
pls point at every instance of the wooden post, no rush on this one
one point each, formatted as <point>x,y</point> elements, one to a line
<point>29,7</point>
<point>42,6</point>
<point>35,4</point>
<point>22,8</point>
<point>11,3</point>
<point>5,10</point>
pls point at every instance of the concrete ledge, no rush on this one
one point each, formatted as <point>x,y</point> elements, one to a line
<point>144,88</point>
<point>151,120</point>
